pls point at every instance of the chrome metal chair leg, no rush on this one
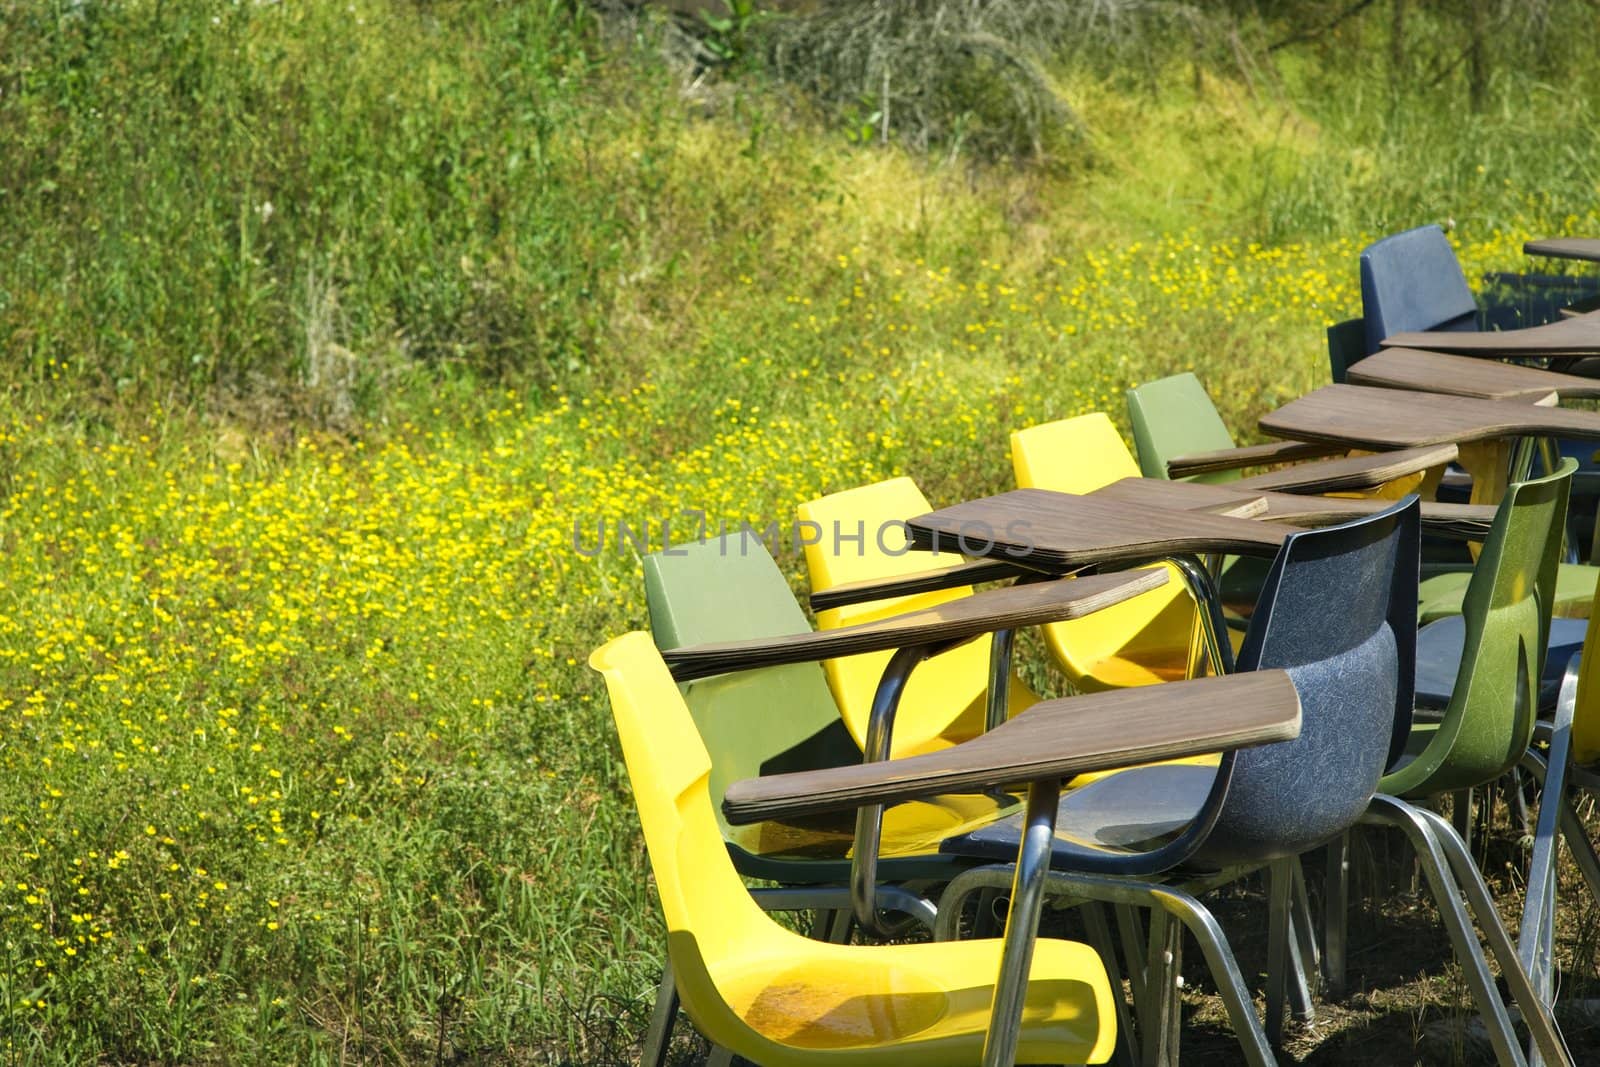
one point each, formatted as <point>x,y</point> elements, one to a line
<point>1461,815</point>
<point>1517,802</point>
<point>1208,602</point>
<point>1535,943</point>
<point>1022,924</point>
<point>1001,643</point>
<point>1199,921</point>
<point>1581,847</point>
<point>1288,930</point>
<point>1536,1013</point>
<point>1387,811</point>
<point>1131,933</point>
<point>953,901</point>
<point>1307,960</point>
<point>1278,893</point>
<point>888,898</point>
<point>837,930</point>
<point>1572,828</point>
<point>985,922</point>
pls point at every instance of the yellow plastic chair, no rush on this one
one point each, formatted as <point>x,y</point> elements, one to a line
<point>1147,639</point>
<point>855,536</point>
<point>776,998</point>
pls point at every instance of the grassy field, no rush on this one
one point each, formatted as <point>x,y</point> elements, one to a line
<point>334,331</point>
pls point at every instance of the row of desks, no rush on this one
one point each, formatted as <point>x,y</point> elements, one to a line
<point>1475,410</point>
<point>1410,398</point>
<point>1143,518</point>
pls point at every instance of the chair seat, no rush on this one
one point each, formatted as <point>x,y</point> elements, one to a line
<point>1123,811</point>
<point>1439,658</point>
<point>1440,595</point>
<point>1140,641</point>
<point>954,684</point>
<point>1121,672</point>
<point>1145,661</point>
<point>924,1003</point>
<point>911,829</point>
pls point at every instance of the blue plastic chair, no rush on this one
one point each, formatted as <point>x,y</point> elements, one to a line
<point>1202,826</point>
<point>1353,671</point>
<point>1413,281</point>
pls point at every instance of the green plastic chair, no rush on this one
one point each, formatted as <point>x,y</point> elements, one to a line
<point>779,719</point>
<point>1572,593</point>
<point>1174,417</point>
<point>1488,724</point>
<point>1506,606</point>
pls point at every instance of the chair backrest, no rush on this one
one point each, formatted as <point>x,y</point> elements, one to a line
<point>727,589</point>
<point>1346,345</point>
<point>859,535</point>
<point>1413,281</point>
<point>1338,612</point>
<point>1077,455</point>
<point>1143,639</point>
<point>1174,417</point>
<point>1506,611</point>
<point>710,916</point>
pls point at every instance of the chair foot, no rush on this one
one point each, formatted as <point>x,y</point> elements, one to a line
<point>1424,830</point>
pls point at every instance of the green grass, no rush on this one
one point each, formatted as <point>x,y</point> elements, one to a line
<point>300,762</point>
